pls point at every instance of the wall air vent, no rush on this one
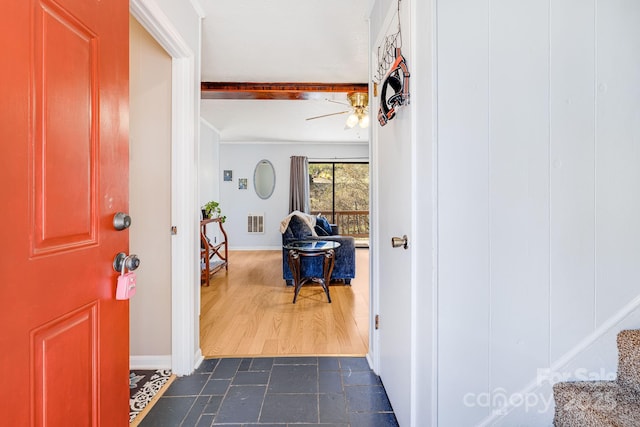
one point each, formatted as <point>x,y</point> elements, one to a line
<point>255,223</point>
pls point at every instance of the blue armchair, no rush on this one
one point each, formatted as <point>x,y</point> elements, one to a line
<point>344,268</point>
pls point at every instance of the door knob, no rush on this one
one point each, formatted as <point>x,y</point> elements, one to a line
<point>129,262</point>
<point>397,242</point>
<point>121,221</point>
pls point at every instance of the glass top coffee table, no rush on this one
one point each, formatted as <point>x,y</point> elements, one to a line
<point>311,248</point>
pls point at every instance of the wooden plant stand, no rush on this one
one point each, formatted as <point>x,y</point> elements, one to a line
<point>214,257</point>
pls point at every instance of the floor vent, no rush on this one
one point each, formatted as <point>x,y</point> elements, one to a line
<point>255,223</point>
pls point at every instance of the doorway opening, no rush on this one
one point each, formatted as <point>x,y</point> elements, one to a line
<point>248,311</point>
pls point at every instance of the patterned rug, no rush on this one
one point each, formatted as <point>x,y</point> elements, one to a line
<point>144,385</point>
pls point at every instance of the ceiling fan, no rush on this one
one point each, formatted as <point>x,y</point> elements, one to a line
<point>359,103</point>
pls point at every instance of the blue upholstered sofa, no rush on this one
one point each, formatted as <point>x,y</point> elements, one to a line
<point>344,268</point>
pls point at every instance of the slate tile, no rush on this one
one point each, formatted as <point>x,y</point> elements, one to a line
<point>196,410</point>
<point>241,404</point>
<point>226,369</point>
<point>360,378</point>
<point>333,408</point>
<point>276,392</point>
<point>328,364</point>
<point>261,364</point>
<point>290,408</point>
<point>367,399</point>
<point>244,365</point>
<point>205,421</point>
<point>190,385</point>
<point>329,382</point>
<point>385,419</point>
<point>296,361</point>
<point>207,366</point>
<point>168,412</point>
<point>213,406</point>
<point>216,387</point>
<point>251,378</point>
<point>294,379</point>
<point>354,364</point>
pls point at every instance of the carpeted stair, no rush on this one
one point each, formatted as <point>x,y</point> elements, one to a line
<point>604,403</point>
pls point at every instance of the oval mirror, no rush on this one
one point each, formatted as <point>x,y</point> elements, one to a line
<point>264,179</point>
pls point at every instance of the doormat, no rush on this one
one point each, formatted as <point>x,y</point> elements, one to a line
<point>143,387</point>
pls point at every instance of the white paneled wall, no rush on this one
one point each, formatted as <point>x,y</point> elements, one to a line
<point>463,216</point>
<point>538,187</point>
<point>518,111</point>
<point>617,154</point>
<point>572,172</point>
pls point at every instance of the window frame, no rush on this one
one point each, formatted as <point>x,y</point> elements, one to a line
<point>333,179</point>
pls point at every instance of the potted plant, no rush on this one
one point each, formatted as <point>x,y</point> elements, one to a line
<point>212,210</point>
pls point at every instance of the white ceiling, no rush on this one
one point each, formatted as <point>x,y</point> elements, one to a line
<point>306,41</point>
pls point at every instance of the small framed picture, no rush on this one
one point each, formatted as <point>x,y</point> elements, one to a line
<point>228,175</point>
<point>242,183</point>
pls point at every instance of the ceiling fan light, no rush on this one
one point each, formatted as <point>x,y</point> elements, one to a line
<point>364,121</point>
<point>358,99</point>
<point>352,120</point>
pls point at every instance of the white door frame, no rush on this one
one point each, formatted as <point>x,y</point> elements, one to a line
<point>422,30</point>
<point>185,348</point>
<point>424,387</point>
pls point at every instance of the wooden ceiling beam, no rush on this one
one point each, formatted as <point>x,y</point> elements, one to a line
<point>278,91</point>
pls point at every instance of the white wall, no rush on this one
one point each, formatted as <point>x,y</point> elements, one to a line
<point>538,178</point>
<point>209,174</point>
<point>236,204</point>
<point>208,165</point>
<point>150,194</point>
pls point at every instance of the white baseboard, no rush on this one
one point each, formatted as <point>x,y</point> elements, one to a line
<point>160,362</point>
<point>198,358</point>
<point>369,361</point>
<point>150,362</point>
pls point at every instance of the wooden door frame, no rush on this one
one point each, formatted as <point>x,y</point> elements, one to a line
<point>185,274</point>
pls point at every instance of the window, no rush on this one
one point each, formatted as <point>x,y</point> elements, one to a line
<point>340,191</point>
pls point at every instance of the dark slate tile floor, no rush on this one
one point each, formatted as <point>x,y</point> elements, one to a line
<point>276,392</point>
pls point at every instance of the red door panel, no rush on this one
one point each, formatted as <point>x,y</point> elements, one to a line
<point>59,374</point>
<point>63,175</point>
<point>66,121</point>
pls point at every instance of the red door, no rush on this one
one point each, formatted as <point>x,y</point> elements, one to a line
<point>64,173</point>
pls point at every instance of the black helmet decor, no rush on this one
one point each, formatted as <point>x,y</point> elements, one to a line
<point>398,81</point>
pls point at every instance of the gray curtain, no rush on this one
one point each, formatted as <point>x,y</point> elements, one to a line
<point>299,185</point>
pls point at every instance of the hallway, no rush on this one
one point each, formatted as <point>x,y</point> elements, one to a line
<point>282,391</point>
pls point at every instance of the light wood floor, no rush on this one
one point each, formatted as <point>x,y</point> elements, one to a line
<point>249,311</point>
